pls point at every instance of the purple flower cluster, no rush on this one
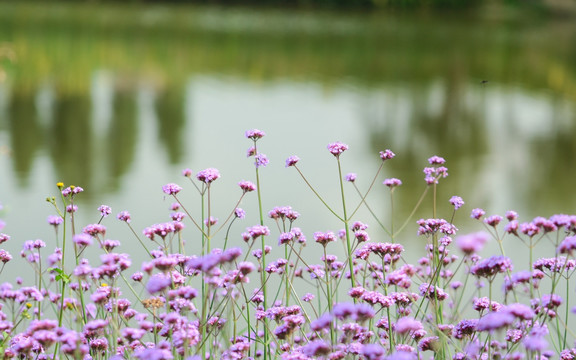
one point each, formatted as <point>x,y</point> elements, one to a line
<point>207,176</point>
<point>337,148</point>
<point>194,297</point>
<point>488,268</point>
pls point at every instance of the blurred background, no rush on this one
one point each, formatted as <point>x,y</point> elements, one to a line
<point>119,98</point>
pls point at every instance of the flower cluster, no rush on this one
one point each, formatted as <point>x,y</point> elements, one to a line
<point>195,297</point>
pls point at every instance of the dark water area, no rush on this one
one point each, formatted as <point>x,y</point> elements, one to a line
<point>119,99</point>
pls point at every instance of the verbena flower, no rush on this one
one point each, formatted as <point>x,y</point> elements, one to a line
<point>457,202</point>
<point>350,177</point>
<point>493,265</point>
<point>55,220</point>
<point>171,189</point>
<point>207,176</point>
<point>472,243</point>
<point>337,148</point>
<point>105,210</point>
<point>261,160</point>
<point>239,213</point>
<point>246,186</point>
<point>292,160</point>
<point>123,216</point>
<point>387,155</point>
<point>392,182</point>
<point>254,134</point>
<point>477,213</point>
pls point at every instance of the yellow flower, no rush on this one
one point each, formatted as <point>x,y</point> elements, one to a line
<point>28,305</point>
<point>60,184</point>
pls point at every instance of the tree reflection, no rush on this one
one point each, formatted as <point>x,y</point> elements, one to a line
<point>171,122</point>
<point>26,135</point>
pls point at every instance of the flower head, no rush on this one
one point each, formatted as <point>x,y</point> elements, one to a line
<point>261,160</point>
<point>436,160</point>
<point>55,220</point>
<point>386,155</point>
<point>123,216</point>
<point>208,175</point>
<point>254,134</point>
<point>350,177</point>
<point>337,148</point>
<point>171,189</point>
<point>457,202</point>
<point>392,182</point>
<point>239,213</point>
<point>247,186</point>
<point>105,210</point>
<point>292,160</point>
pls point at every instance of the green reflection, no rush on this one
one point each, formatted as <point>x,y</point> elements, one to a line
<point>171,122</point>
<point>26,135</point>
<point>71,142</point>
<point>121,139</point>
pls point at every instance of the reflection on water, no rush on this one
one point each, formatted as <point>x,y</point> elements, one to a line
<point>121,110</point>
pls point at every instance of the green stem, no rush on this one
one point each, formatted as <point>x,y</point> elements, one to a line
<point>346,229</point>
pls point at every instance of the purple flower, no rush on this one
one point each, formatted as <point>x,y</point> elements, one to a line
<point>257,231</point>
<point>4,238</point>
<point>465,328</point>
<point>337,148</point>
<point>472,243</point>
<point>568,245</point>
<point>94,230</point>
<point>535,343</point>
<point>292,160</point>
<point>511,215</point>
<point>210,221</point>
<point>247,186</point>
<point>308,297</point>
<point>432,292</point>
<point>350,177</point>
<point>71,208</point>
<point>260,160</point>
<point>373,352</point>
<point>187,172</point>
<point>123,216</point>
<point>494,321</point>
<point>493,220</point>
<point>254,134</point>
<point>82,239</point>
<point>72,190</point>
<point>323,322</point>
<point>158,283</point>
<point>520,311</point>
<point>477,213</point>
<point>105,210</point>
<point>407,324</point>
<point>324,238</point>
<point>5,256</point>
<point>392,182</point>
<point>490,267</point>
<point>208,175</point>
<point>55,220</point>
<point>429,343</point>
<point>387,154</point>
<point>457,202</point>
<point>436,160</point>
<point>171,189</point>
<point>251,151</point>
<point>239,213</point>
<point>316,348</point>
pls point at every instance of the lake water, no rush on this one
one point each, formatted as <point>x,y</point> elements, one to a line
<point>120,99</point>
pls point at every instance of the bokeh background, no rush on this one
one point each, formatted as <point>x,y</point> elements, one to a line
<point>119,98</point>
